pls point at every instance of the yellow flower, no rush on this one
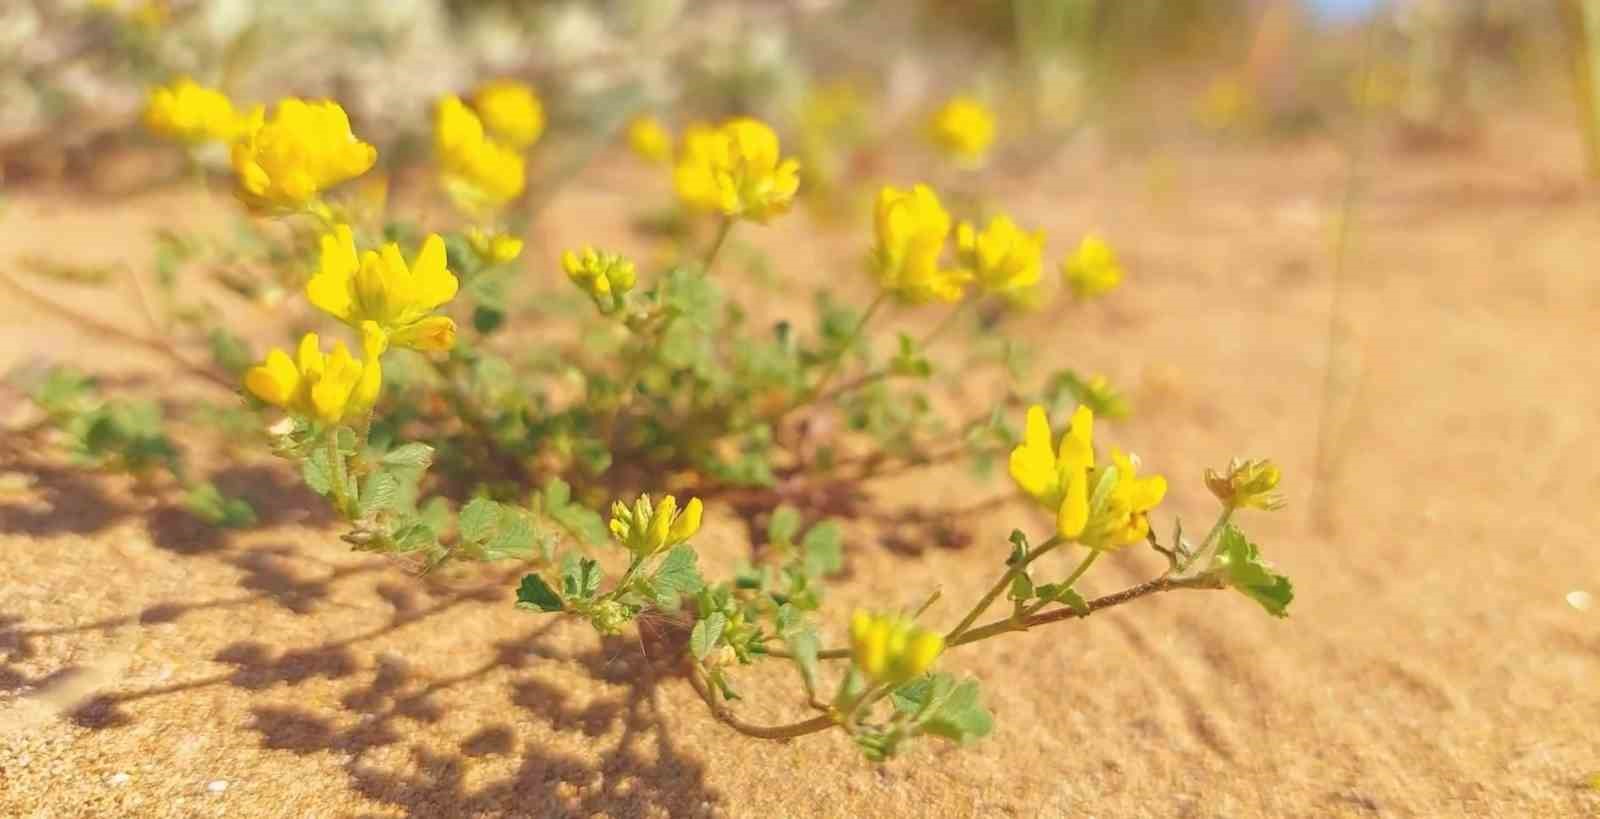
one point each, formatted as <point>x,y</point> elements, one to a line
<point>736,170</point>
<point>1003,259</point>
<point>1121,518</point>
<point>1092,270</point>
<point>1247,484</point>
<point>494,248</point>
<point>650,140</point>
<point>606,277</point>
<point>480,174</point>
<point>1066,480</point>
<point>379,288</point>
<point>911,229</point>
<point>890,649</point>
<point>327,387</point>
<point>304,149</point>
<point>190,112</point>
<point>511,111</point>
<point>645,529</point>
<point>1057,478</point>
<point>963,128</point>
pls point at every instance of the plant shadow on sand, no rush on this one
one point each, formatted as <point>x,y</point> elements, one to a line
<point>633,765</point>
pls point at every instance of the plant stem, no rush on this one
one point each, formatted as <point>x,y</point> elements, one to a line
<point>1009,624</point>
<point>999,587</point>
<point>837,361</point>
<point>723,229</point>
<point>341,499</point>
<point>1205,545</point>
<point>878,375</point>
<point>727,717</point>
<point>1160,584</point>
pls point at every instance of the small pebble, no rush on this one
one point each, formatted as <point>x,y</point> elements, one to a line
<point>1580,600</point>
<point>119,778</point>
<point>217,785</point>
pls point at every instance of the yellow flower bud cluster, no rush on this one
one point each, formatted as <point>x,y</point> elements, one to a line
<point>890,649</point>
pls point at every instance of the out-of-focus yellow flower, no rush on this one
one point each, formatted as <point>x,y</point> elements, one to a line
<point>190,112</point>
<point>1228,102</point>
<point>511,111</point>
<point>305,148</point>
<point>827,109</point>
<point>1003,258</point>
<point>1092,270</point>
<point>890,649</point>
<point>328,387</point>
<point>1247,484</point>
<point>964,129</point>
<point>606,277</point>
<point>379,288</point>
<point>479,173</point>
<point>736,170</point>
<point>150,14</point>
<point>911,229</point>
<point>494,248</point>
<point>650,140</point>
<point>645,529</point>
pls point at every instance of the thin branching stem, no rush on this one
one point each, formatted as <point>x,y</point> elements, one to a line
<point>726,716</point>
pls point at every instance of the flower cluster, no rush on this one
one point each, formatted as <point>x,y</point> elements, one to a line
<point>285,162</point>
<point>511,111</point>
<point>912,227</point>
<point>1003,258</point>
<point>189,112</point>
<point>378,290</point>
<point>650,140</point>
<point>480,173</point>
<point>1092,270</point>
<point>737,170</point>
<point>1102,507</point>
<point>891,649</point>
<point>646,530</point>
<point>964,129</point>
<point>329,387</point>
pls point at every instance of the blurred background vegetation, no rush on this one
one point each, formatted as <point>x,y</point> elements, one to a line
<point>73,72</point>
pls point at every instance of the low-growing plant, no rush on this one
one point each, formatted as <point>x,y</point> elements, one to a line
<point>438,433</point>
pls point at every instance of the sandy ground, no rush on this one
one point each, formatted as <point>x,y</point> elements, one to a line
<point>1433,665</point>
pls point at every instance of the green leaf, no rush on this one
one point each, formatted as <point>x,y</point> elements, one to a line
<point>1021,588</point>
<point>208,503</point>
<point>1019,547</point>
<point>534,594</point>
<point>803,646</point>
<point>1240,562</point>
<point>824,549</point>
<point>230,352</point>
<point>583,523</point>
<point>478,520</point>
<point>379,491</point>
<point>784,525</point>
<point>677,577</point>
<point>706,633</point>
<point>1067,595</point>
<point>317,472</point>
<point>580,577</point>
<point>409,455</point>
<point>514,537</point>
<point>961,717</point>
